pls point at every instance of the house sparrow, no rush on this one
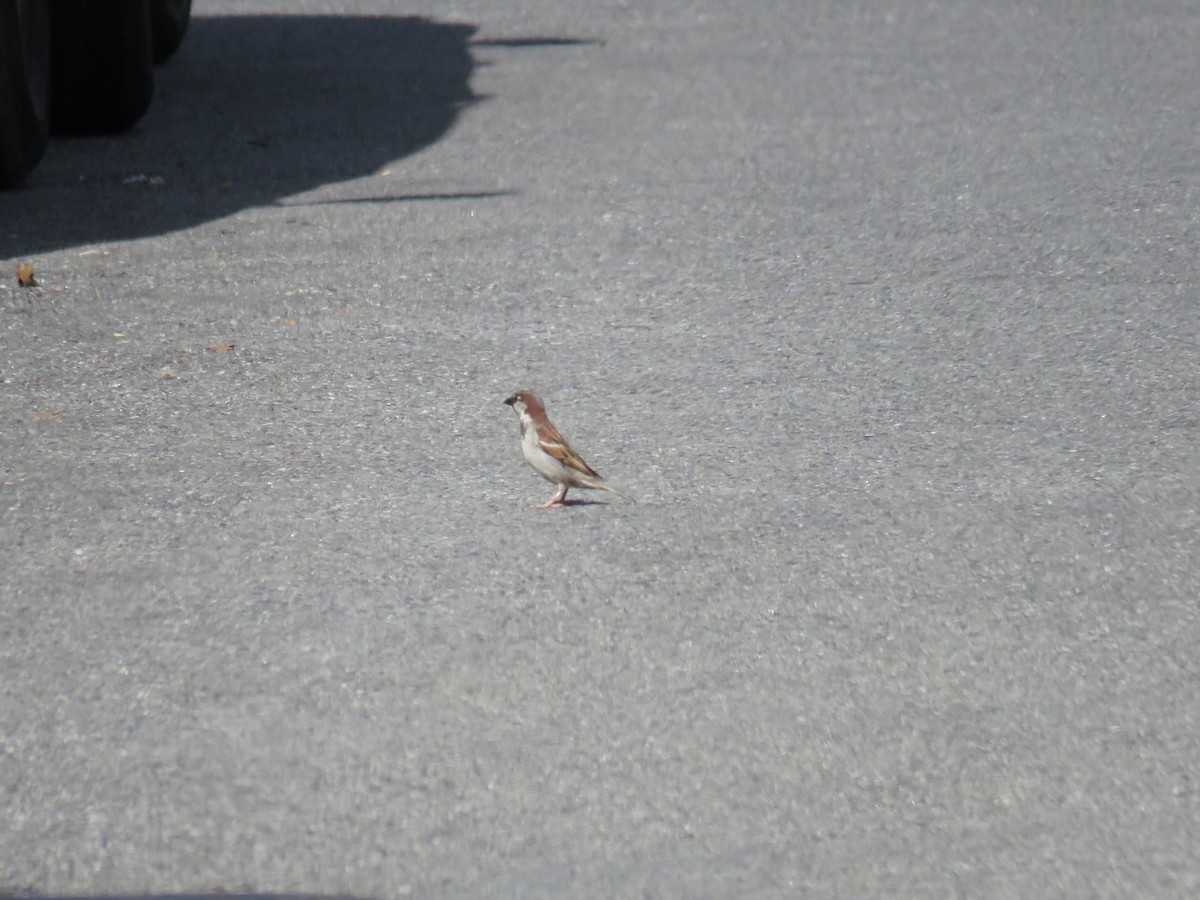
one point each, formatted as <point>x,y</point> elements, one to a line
<point>548,452</point>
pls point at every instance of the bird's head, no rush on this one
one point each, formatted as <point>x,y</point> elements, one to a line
<point>525,401</point>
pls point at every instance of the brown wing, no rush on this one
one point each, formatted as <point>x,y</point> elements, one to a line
<point>556,445</point>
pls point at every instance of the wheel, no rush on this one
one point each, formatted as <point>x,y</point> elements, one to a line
<point>102,75</point>
<point>24,87</point>
<point>168,25</point>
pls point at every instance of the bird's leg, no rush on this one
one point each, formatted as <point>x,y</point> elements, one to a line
<point>559,499</point>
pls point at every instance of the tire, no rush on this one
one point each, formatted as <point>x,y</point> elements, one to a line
<point>168,25</point>
<point>24,87</point>
<point>102,75</point>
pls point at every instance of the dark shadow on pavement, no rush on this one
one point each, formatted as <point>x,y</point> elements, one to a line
<point>251,110</point>
<point>403,198</point>
<point>522,42</point>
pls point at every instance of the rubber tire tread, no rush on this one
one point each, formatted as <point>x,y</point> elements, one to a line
<point>24,91</point>
<point>102,73</point>
<point>168,22</point>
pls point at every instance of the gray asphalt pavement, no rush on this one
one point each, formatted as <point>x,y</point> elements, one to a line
<point>887,312</point>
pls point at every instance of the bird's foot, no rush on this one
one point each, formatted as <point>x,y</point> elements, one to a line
<point>558,500</point>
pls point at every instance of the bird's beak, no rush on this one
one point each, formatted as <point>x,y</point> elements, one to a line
<point>511,400</point>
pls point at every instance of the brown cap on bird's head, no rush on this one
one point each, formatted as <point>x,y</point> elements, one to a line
<point>529,401</point>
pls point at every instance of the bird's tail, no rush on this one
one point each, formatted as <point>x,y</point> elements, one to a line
<point>605,486</point>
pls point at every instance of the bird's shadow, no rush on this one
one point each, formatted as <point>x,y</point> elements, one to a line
<point>570,503</point>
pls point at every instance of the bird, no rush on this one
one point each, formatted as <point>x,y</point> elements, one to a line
<point>549,453</point>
